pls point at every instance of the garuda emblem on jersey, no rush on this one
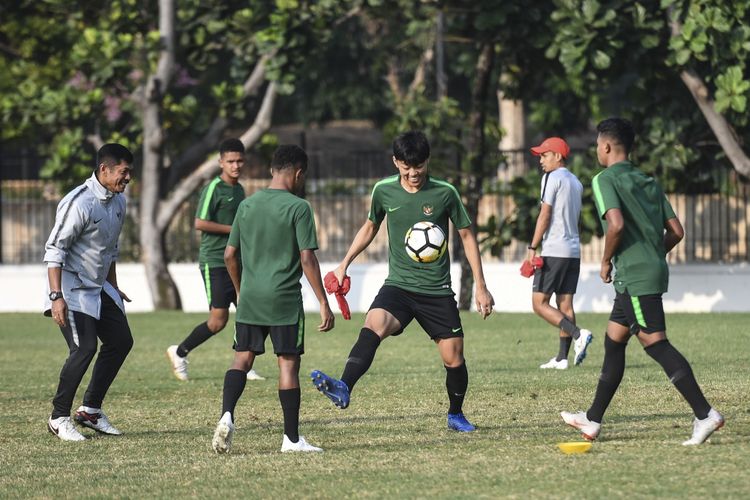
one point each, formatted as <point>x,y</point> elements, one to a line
<point>427,209</point>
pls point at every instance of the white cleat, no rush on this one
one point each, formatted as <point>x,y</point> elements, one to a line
<point>222,440</point>
<point>580,345</point>
<point>589,430</point>
<point>253,375</point>
<point>179,364</point>
<point>63,428</point>
<point>300,445</point>
<point>702,429</point>
<point>96,420</point>
<point>554,364</point>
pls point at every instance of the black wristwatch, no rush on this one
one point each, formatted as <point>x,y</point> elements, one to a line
<point>53,296</point>
<point>531,248</point>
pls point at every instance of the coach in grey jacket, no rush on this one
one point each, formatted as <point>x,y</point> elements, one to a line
<point>83,296</point>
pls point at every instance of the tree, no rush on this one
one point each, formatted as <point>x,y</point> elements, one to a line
<point>174,78</point>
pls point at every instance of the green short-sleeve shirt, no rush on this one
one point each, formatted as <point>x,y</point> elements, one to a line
<point>218,203</point>
<point>271,228</point>
<point>437,202</point>
<point>640,260</point>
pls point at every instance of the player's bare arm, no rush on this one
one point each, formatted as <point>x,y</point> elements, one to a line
<point>673,233</point>
<point>482,295</point>
<point>311,268</point>
<point>615,227</point>
<point>112,278</point>
<point>362,240</point>
<point>542,224</point>
<point>208,226</point>
<point>233,268</point>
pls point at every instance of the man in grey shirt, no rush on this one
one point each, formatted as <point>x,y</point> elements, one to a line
<point>84,299</point>
<point>557,231</point>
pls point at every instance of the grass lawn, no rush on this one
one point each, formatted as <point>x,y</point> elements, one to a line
<point>392,441</point>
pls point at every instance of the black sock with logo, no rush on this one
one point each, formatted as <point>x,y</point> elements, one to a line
<point>681,375</point>
<point>456,382</point>
<point>569,327</point>
<point>290,403</point>
<point>200,334</point>
<point>360,357</point>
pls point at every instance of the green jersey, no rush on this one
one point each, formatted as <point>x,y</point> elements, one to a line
<point>271,228</point>
<point>640,259</point>
<point>436,202</point>
<point>218,203</point>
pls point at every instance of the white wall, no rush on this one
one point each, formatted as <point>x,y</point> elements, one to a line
<point>693,288</point>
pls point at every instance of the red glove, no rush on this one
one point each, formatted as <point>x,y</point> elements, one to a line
<point>528,268</point>
<point>332,286</point>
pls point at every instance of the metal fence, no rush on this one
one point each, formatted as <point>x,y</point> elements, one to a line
<point>339,185</point>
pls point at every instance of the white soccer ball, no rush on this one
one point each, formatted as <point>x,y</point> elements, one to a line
<point>425,242</point>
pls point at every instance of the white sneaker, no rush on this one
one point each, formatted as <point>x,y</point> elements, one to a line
<point>589,430</point>
<point>63,428</point>
<point>95,419</point>
<point>222,440</point>
<point>253,375</point>
<point>702,429</point>
<point>580,345</point>
<point>555,364</point>
<point>179,364</point>
<point>300,445</point>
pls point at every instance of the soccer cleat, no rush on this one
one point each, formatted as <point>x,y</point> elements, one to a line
<point>253,375</point>
<point>457,422</point>
<point>222,440</point>
<point>301,445</point>
<point>702,429</point>
<point>63,428</point>
<point>96,420</point>
<point>555,364</point>
<point>589,430</point>
<point>581,344</point>
<point>334,389</point>
<point>179,364</point>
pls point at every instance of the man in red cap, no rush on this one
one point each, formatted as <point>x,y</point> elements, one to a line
<point>557,232</point>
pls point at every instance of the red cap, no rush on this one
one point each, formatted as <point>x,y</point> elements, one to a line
<point>554,144</point>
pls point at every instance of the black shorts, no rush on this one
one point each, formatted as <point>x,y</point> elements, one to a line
<point>644,313</point>
<point>219,287</point>
<point>286,339</point>
<point>438,316</point>
<point>558,275</point>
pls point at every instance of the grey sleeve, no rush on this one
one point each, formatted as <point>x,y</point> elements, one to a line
<point>69,223</point>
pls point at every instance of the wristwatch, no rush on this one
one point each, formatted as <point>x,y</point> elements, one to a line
<point>531,247</point>
<point>53,296</point>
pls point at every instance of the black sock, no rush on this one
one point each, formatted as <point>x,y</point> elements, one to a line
<point>569,327</point>
<point>613,368</point>
<point>360,357</point>
<point>456,382</point>
<point>234,384</point>
<point>681,375</point>
<point>564,350</point>
<point>290,401</point>
<point>200,334</point>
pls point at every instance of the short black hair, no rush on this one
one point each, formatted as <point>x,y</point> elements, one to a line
<point>231,146</point>
<point>112,154</point>
<point>412,148</point>
<point>288,156</point>
<point>619,130</point>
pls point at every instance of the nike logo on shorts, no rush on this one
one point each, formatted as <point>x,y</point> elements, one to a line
<point>456,330</point>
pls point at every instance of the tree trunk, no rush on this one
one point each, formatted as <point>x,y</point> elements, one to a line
<point>164,292</point>
<point>512,121</point>
<point>474,168</point>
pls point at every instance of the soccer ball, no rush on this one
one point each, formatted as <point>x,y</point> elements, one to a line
<point>425,242</point>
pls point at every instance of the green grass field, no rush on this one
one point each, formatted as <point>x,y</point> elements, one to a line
<point>392,441</point>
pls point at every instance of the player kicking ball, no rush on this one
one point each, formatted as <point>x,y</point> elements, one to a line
<point>419,283</point>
